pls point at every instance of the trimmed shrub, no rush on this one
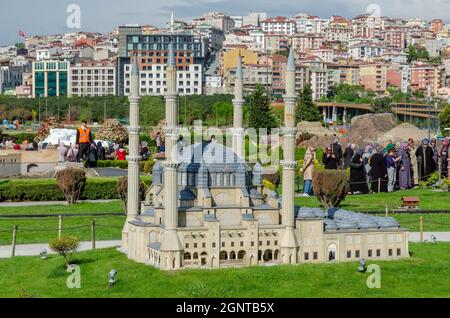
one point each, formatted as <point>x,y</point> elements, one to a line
<point>65,246</point>
<point>148,167</point>
<point>330,187</point>
<point>71,181</point>
<point>19,190</point>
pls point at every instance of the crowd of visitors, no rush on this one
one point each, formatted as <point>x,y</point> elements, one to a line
<point>381,169</point>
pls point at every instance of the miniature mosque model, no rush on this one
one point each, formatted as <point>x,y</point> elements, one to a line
<point>206,208</point>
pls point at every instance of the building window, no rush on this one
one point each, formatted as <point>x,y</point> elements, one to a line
<point>242,243</point>
<point>213,245</point>
<point>232,244</point>
<point>378,252</point>
<point>203,244</point>
<point>349,254</point>
<point>276,243</point>
<point>260,242</point>
<point>252,244</point>
<point>187,245</point>
<point>357,253</point>
<point>399,252</point>
<point>390,252</point>
<point>369,253</point>
<point>306,256</point>
<point>315,255</point>
<point>195,245</point>
<point>268,243</point>
<point>223,244</point>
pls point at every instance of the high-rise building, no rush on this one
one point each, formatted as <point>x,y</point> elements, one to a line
<point>50,78</point>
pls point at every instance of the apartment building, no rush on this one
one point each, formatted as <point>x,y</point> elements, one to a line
<point>279,25</point>
<point>92,78</point>
<point>373,77</point>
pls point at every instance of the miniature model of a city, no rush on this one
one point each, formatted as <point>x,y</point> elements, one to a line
<point>207,207</point>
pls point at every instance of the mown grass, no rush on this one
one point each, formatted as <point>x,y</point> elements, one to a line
<point>425,274</point>
<point>429,200</point>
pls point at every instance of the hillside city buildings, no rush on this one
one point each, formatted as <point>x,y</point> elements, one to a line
<point>363,50</point>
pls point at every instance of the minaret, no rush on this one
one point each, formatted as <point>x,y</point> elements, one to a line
<point>171,248</point>
<point>238,102</point>
<point>133,199</point>
<point>289,243</point>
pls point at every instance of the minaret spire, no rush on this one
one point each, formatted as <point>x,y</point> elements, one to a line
<point>133,199</point>
<point>238,102</point>
<point>171,248</point>
<point>289,243</point>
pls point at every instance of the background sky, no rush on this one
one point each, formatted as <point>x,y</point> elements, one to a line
<point>49,16</point>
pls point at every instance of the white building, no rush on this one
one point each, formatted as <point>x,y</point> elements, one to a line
<point>153,80</point>
<point>365,51</point>
<point>279,25</point>
<point>92,79</point>
<point>42,54</point>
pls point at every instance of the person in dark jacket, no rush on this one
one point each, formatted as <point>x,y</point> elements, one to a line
<point>329,159</point>
<point>101,152</point>
<point>92,156</point>
<point>378,171</point>
<point>358,184</point>
<point>349,152</point>
<point>425,160</point>
<point>336,149</point>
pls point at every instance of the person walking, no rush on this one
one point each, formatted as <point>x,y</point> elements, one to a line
<point>308,170</point>
<point>72,153</point>
<point>83,140</point>
<point>92,157</point>
<point>358,184</point>
<point>158,141</point>
<point>404,172</point>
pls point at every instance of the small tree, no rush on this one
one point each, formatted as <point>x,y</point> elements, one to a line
<point>330,187</point>
<point>122,191</point>
<point>306,109</point>
<point>71,181</point>
<point>65,246</point>
<point>444,119</point>
<point>260,112</point>
<point>382,105</point>
<point>112,130</point>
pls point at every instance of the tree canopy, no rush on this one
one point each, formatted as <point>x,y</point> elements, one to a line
<point>260,113</point>
<point>306,108</point>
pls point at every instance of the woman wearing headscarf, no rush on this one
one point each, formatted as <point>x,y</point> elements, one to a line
<point>414,164</point>
<point>378,171</point>
<point>404,172</point>
<point>349,152</point>
<point>425,160</point>
<point>357,175</point>
<point>443,156</point>
<point>308,170</point>
<point>330,160</point>
<point>62,151</point>
<point>435,151</point>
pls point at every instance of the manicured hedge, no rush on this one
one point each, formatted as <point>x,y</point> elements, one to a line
<point>47,189</point>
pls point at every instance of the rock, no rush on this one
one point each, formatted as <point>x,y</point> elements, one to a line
<point>313,128</point>
<point>401,133</point>
<point>370,127</point>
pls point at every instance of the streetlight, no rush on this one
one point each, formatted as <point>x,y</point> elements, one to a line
<point>112,277</point>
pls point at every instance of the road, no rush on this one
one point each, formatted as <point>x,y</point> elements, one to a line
<point>36,249</point>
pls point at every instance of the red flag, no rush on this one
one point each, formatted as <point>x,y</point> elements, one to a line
<point>21,33</point>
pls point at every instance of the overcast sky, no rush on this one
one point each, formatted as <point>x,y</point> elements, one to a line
<point>49,16</point>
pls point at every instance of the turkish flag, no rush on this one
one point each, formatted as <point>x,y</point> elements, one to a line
<point>21,33</point>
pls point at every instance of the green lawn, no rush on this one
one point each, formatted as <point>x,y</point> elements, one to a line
<point>429,200</point>
<point>425,274</point>
<point>83,207</point>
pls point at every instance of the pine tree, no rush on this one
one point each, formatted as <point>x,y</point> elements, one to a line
<point>306,109</point>
<point>260,113</point>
